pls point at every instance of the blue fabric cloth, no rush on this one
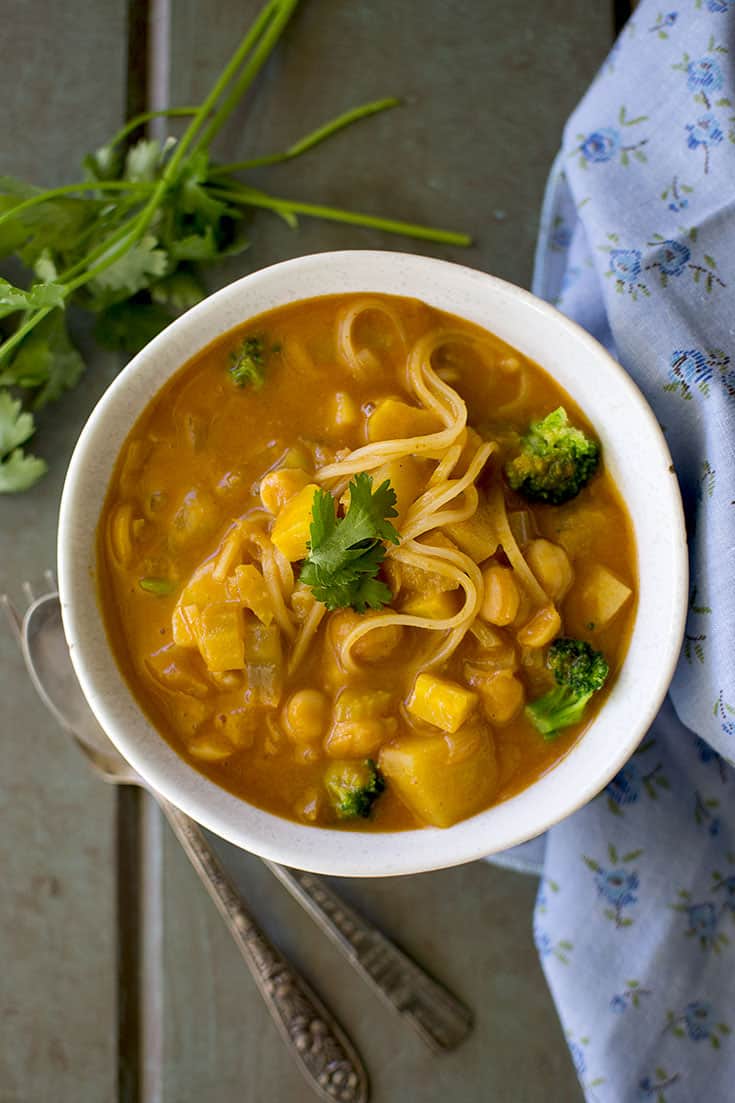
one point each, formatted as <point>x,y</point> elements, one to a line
<point>635,918</point>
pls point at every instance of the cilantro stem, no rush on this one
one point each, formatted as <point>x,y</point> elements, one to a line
<point>146,117</point>
<point>16,337</point>
<point>282,11</point>
<point>310,140</point>
<point>67,189</point>
<point>250,197</point>
<point>130,232</point>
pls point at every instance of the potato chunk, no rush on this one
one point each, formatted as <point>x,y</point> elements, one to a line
<point>603,596</point>
<point>440,791</point>
<point>291,530</point>
<point>440,702</point>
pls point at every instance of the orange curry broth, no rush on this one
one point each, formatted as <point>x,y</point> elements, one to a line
<point>203,436</point>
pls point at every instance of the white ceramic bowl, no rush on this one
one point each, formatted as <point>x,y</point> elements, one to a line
<point>635,453</point>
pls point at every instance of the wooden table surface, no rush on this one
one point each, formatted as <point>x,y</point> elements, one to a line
<point>118,981</point>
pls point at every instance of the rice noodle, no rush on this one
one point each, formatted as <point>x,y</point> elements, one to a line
<point>306,634</point>
<point>450,563</point>
<point>505,537</point>
<point>361,362</point>
<point>444,501</point>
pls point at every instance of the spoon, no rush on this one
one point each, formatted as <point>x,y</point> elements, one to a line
<point>439,1018</point>
<point>316,1041</point>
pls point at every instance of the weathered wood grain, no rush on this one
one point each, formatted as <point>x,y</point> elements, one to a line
<point>62,80</point>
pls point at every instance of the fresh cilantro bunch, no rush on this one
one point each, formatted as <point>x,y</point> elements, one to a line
<point>127,241</point>
<point>345,553</point>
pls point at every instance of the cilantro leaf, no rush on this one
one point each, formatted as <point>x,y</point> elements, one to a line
<point>345,553</point>
<point>181,289</point>
<point>248,363</point>
<point>20,472</point>
<point>15,426</point>
<point>17,470</point>
<point>142,161</point>
<point>38,297</point>
<point>47,360</point>
<point>129,326</point>
<point>52,225</point>
<point>131,272</point>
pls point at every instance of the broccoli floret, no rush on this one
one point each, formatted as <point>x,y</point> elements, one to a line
<point>247,363</point>
<point>555,462</point>
<point>580,671</point>
<point>353,787</point>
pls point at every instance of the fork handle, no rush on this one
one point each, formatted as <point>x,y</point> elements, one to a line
<point>434,1013</point>
<point>316,1041</point>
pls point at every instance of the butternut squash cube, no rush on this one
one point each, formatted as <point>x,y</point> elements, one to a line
<point>290,532</point>
<point>247,585</point>
<point>603,596</point>
<point>440,702</point>
<point>476,536</point>
<point>408,477</point>
<point>393,418</point>
<point>220,632</point>
<point>440,791</point>
<point>437,604</point>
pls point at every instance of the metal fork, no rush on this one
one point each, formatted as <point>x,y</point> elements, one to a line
<point>440,1019</point>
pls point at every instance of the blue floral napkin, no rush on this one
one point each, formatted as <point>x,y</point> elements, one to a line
<point>635,917</point>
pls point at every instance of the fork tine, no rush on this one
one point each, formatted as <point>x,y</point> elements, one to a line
<point>12,615</point>
<point>50,579</point>
<point>28,592</point>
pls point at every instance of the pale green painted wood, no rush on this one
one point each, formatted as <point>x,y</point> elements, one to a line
<point>487,94</point>
<point>62,80</point>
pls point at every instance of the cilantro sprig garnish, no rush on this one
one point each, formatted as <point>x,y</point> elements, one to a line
<point>128,240</point>
<point>346,552</point>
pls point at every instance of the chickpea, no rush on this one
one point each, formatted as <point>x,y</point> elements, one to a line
<point>502,596</point>
<point>550,563</point>
<point>541,628</point>
<point>305,715</point>
<point>278,487</point>
<point>308,804</point>
<point>502,696</point>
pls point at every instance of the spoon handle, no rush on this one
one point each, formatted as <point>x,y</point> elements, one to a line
<point>434,1013</point>
<point>321,1049</point>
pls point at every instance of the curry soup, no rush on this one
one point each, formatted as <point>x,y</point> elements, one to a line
<point>240,509</point>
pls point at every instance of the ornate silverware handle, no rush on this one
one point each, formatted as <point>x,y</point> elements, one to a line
<point>317,1043</point>
<point>437,1016</point>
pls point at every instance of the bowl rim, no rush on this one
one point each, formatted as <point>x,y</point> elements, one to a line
<point>324,850</point>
